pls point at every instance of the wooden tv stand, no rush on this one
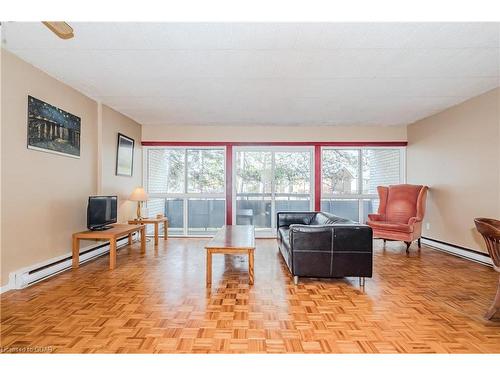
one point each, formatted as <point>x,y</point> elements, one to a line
<point>112,235</point>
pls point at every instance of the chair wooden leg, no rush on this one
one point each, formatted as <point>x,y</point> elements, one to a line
<point>408,244</point>
<point>495,307</point>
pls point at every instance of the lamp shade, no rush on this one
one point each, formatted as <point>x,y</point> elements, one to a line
<point>138,195</point>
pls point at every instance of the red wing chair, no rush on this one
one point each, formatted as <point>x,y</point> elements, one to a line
<point>400,213</point>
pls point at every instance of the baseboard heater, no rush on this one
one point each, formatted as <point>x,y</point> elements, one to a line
<point>36,273</point>
<point>459,251</point>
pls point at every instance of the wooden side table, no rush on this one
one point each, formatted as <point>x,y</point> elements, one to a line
<point>112,235</point>
<point>156,222</point>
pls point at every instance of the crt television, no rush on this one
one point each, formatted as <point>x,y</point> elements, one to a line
<point>101,211</point>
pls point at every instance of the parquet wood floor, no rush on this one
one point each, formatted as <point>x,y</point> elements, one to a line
<point>426,302</point>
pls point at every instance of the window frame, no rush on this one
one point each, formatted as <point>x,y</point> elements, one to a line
<point>317,195</point>
<point>272,149</point>
<point>185,196</point>
<point>360,196</point>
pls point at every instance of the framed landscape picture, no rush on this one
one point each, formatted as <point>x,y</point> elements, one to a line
<point>51,129</point>
<point>125,156</point>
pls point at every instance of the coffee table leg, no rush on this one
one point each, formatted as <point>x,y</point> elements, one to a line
<point>143,240</point>
<point>209,268</point>
<point>76,252</point>
<point>112,254</point>
<point>156,234</point>
<point>130,238</point>
<point>250,266</point>
<point>165,228</point>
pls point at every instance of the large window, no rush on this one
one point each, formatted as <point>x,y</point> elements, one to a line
<point>350,178</point>
<point>187,185</point>
<point>269,180</point>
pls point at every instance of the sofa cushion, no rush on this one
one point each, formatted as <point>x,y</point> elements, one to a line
<point>323,218</point>
<point>385,225</point>
<point>285,237</point>
<point>285,248</point>
<point>287,218</point>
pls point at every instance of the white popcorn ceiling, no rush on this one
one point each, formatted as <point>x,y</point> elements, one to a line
<point>268,73</point>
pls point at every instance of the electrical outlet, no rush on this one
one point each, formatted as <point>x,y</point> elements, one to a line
<point>427,226</point>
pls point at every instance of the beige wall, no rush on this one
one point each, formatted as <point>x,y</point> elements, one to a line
<point>272,133</point>
<point>457,153</point>
<point>113,123</point>
<point>44,196</point>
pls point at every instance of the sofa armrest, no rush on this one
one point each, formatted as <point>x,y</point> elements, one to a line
<point>285,219</point>
<point>311,237</point>
<point>376,217</point>
<point>414,220</point>
<point>352,251</point>
<point>353,238</point>
<point>311,250</point>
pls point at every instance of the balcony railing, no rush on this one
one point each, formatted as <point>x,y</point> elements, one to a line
<point>199,216</point>
<point>260,209</point>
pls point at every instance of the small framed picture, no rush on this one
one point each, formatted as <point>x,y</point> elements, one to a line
<point>125,156</point>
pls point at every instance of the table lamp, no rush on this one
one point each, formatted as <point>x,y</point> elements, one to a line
<point>139,196</point>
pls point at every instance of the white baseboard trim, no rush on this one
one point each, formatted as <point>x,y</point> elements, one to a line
<point>460,252</point>
<point>6,287</point>
<point>35,273</point>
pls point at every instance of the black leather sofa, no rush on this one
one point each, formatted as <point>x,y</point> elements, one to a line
<point>319,244</point>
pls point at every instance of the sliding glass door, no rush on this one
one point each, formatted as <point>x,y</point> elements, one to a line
<point>188,186</point>
<point>268,180</point>
<point>253,185</point>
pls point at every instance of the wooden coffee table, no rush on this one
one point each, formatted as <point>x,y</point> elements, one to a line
<point>112,235</point>
<point>232,239</point>
<point>156,222</point>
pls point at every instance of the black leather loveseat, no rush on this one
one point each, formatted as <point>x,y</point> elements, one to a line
<point>318,244</point>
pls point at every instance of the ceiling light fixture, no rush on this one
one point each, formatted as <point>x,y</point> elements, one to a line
<point>61,29</point>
